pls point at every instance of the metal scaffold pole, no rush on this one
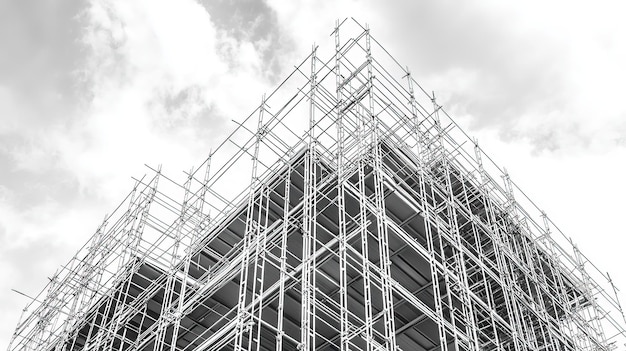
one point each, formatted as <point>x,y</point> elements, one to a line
<point>251,237</point>
<point>381,216</point>
<point>342,235</point>
<point>309,225</point>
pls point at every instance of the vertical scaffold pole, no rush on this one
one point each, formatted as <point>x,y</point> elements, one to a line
<point>458,262</point>
<point>250,235</point>
<point>343,274</point>
<point>45,312</point>
<point>135,219</point>
<point>167,309</point>
<point>381,216</point>
<point>259,268</point>
<point>427,218</point>
<point>82,298</point>
<point>617,302</point>
<point>178,307</point>
<point>283,257</point>
<point>96,333</point>
<point>594,329</point>
<point>307,320</point>
<point>511,245</point>
<point>499,247</point>
<point>362,122</point>
<point>205,218</point>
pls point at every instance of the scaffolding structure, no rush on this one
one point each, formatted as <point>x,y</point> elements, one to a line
<point>347,212</point>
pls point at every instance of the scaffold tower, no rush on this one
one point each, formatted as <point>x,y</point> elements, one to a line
<point>349,211</point>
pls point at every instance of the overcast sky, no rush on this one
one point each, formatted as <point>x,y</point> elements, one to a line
<point>92,90</point>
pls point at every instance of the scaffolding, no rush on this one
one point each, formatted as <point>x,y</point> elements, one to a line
<point>348,211</point>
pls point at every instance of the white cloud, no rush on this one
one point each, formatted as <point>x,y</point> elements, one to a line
<point>158,70</point>
<point>160,85</point>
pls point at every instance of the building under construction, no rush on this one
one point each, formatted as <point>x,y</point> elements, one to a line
<point>348,211</point>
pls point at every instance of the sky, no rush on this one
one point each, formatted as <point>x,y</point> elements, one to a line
<point>90,91</point>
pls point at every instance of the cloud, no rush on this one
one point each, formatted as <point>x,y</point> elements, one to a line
<point>528,70</point>
<point>155,82</point>
<point>257,23</point>
<point>156,72</point>
<point>40,54</point>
